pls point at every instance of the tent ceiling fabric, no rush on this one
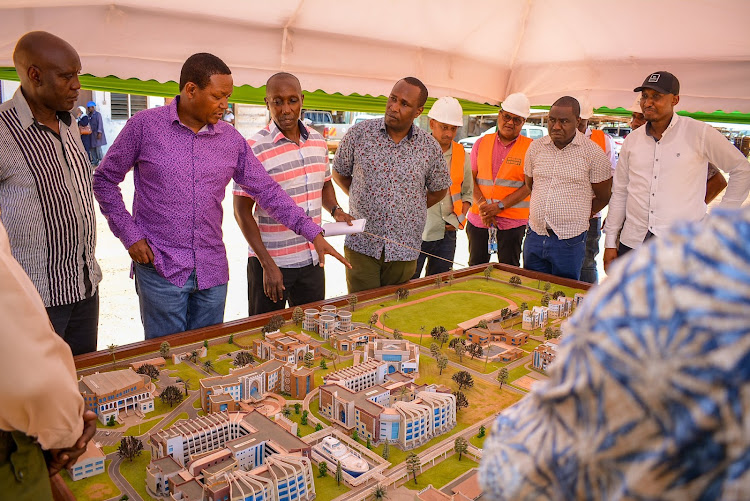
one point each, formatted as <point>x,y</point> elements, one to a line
<point>480,50</point>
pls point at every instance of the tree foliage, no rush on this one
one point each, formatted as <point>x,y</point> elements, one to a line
<point>444,337</point>
<point>298,315</point>
<point>164,349</point>
<point>352,301</point>
<point>148,370</point>
<point>461,400</point>
<point>130,448</point>
<point>380,493</point>
<point>402,293</point>
<point>558,294</point>
<point>442,363</point>
<point>460,349</point>
<point>460,445</point>
<point>322,469</point>
<point>487,272</point>
<point>482,432</point>
<point>524,306</point>
<point>475,350</point>
<point>413,465</point>
<point>515,280</point>
<point>455,340</point>
<point>547,286</point>
<point>502,376</point>
<point>339,473</point>
<point>463,379</point>
<point>373,320</point>
<point>243,358</point>
<point>171,395</point>
<point>308,359</point>
<point>436,332</point>
<point>386,450</point>
<point>434,350</point>
<point>545,299</point>
<point>397,334</point>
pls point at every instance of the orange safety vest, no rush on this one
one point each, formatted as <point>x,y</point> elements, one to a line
<point>510,177</point>
<point>598,137</point>
<point>457,178</point>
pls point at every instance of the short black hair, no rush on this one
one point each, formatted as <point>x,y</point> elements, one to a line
<point>199,68</point>
<point>422,89</point>
<point>569,102</point>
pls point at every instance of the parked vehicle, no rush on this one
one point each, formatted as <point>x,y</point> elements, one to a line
<point>528,130</point>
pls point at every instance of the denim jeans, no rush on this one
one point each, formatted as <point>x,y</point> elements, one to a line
<point>167,309</point>
<point>445,248</point>
<point>562,258</point>
<point>589,273</point>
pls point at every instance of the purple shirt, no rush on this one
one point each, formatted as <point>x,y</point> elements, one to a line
<point>180,180</point>
<point>499,152</point>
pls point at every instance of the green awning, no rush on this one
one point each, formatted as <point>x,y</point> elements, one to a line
<point>319,100</point>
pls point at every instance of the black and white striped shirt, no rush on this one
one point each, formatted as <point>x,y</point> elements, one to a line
<point>47,204</point>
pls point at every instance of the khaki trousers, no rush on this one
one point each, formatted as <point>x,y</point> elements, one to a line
<point>370,273</point>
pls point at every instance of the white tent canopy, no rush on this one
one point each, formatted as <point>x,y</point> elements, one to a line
<point>480,50</point>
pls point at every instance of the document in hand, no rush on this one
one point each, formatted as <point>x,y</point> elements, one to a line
<point>333,229</point>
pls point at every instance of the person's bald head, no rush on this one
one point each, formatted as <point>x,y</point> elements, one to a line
<point>284,101</point>
<point>48,68</point>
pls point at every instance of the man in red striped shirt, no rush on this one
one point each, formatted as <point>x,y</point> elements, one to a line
<point>283,266</point>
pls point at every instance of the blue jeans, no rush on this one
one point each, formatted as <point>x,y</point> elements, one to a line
<point>589,273</point>
<point>445,248</point>
<point>562,258</point>
<point>167,309</point>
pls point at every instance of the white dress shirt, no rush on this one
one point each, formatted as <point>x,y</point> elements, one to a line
<point>657,183</point>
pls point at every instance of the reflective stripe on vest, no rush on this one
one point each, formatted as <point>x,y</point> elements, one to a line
<point>598,137</point>
<point>458,158</point>
<point>509,178</point>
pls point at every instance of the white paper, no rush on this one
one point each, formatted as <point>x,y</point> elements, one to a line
<point>333,229</point>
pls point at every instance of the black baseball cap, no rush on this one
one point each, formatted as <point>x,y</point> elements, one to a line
<point>661,81</point>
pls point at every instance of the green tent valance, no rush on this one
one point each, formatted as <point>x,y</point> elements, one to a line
<point>319,100</point>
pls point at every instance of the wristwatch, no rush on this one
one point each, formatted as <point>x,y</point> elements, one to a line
<point>334,209</point>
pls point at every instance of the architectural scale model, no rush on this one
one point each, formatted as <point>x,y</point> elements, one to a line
<point>268,416</point>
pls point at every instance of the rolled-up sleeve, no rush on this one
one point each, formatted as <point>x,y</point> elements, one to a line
<point>38,390</point>
<point>267,193</point>
<point>120,158</point>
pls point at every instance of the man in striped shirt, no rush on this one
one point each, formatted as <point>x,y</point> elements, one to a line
<point>283,266</point>
<point>45,188</point>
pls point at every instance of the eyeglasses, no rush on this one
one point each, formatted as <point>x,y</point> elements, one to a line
<point>510,118</point>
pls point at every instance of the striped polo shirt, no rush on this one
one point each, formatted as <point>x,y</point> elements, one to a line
<point>47,203</point>
<point>301,170</point>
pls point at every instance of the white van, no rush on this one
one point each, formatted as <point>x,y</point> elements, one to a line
<point>530,131</point>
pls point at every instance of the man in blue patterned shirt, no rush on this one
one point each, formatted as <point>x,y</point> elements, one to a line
<point>649,395</point>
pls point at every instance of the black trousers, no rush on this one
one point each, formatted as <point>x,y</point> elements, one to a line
<point>77,323</point>
<point>302,285</point>
<point>508,245</point>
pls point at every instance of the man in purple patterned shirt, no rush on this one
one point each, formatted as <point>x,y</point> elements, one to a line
<point>183,157</point>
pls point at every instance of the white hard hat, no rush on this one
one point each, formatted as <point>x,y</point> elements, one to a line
<point>636,106</point>
<point>518,104</point>
<point>587,111</point>
<point>448,111</point>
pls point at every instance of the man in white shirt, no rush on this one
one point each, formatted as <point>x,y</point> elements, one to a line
<point>661,173</point>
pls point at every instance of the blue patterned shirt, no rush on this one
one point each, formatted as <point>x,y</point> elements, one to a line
<point>649,396</point>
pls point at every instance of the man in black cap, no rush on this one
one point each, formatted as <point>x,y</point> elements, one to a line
<point>661,173</point>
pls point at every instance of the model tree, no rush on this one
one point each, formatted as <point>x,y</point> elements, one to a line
<point>402,293</point>
<point>171,395</point>
<point>436,332</point>
<point>460,349</point>
<point>463,379</point>
<point>112,349</point>
<point>421,333</point>
<point>286,411</point>
<point>185,382</point>
<point>111,420</point>
<point>303,419</point>
<point>482,324</point>
<point>323,364</point>
<point>355,435</point>
<point>482,432</point>
<point>308,359</point>
<point>524,306</point>
<point>451,277</point>
<point>403,393</point>
<point>442,363</point>
<point>549,333</point>
<point>129,448</point>
<point>231,339</point>
<point>297,406</point>
<point>444,337</point>
<point>434,350</point>
<point>164,349</point>
<point>352,302</point>
<point>298,316</point>
<point>339,473</point>
<point>456,340</point>
<point>558,294</point>
<point>318,427</point>
<point>505,312</point>
<point>461,400</point>
<point>386,450</point>
<point>205,343</point>
<point>547,286</point>
<point>243,358</point>
<point>502,376</point>
<point>208,365</point>
<point>438,282</point>
<point>487,272</point>
<point>373,320</point>
<point>194,356</point>
<point>515,280</point>
<point>545,299</point>
<point>397,334</point>
<point>475,350</point>
<point>413,465</point>
<point>322,469</point>
<point>368,444</point>
<point>460,445</point>
<point>380,493</point>
<point>148,370</point>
